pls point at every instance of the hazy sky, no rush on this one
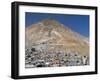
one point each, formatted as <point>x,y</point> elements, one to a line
<point>78,23</point>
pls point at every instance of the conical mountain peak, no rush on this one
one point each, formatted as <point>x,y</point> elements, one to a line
<point>50,21</point>
<point>53,32</point>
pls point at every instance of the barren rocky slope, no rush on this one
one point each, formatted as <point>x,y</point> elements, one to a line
<point>57,36</point>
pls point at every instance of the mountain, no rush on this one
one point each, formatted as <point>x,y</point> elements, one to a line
<point>57,36</point>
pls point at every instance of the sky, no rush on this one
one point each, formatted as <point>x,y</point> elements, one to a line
<point>78,23</point>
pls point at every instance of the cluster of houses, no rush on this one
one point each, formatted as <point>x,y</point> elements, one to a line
<point>39,57</point>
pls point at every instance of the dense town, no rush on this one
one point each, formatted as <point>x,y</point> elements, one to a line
<point>39,57</point>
